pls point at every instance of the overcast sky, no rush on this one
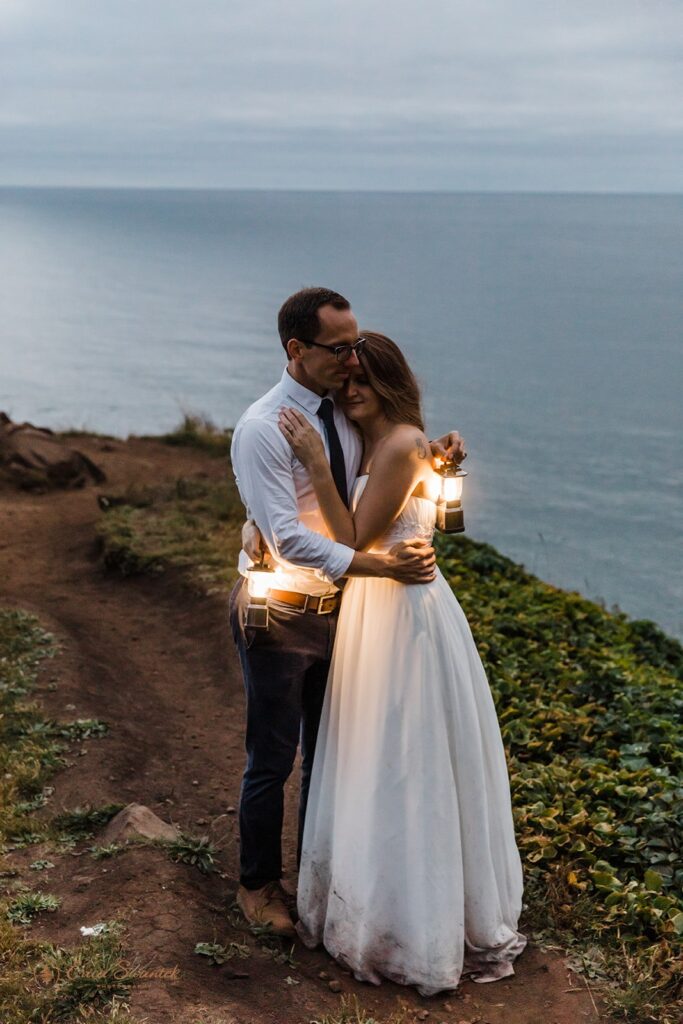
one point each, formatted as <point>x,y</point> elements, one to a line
<point>379,94</point>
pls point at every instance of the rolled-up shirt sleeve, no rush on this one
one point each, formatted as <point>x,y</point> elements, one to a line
<point>261,460</point>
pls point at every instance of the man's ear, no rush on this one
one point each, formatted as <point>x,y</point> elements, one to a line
<point>294,348</point>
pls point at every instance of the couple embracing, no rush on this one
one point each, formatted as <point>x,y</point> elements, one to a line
<point>408,864</point>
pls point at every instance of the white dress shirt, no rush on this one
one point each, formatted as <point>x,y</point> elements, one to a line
<point>279,496</point>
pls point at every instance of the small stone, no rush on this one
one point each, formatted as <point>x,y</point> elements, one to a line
<point>195,782</point>
<point>230,810</point>
<point>448,1008</point>
<point>423,1014</point>
<point>324,975</point>
<point>201,821</point>
<point>136,819</point>
<point>334,986</point>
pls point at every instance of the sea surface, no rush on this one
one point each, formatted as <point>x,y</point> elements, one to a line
<point>548,329</point>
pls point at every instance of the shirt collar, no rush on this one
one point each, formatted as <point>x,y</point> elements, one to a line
<point>307,399</point>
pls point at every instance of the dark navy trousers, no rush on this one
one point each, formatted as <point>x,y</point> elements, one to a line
<point>285,673</point>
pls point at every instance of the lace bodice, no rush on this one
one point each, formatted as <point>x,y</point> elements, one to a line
<point>416,520</point>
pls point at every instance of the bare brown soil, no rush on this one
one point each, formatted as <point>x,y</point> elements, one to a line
<point>156,662</point>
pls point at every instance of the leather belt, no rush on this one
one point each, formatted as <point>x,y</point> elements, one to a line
<point>321,605</point>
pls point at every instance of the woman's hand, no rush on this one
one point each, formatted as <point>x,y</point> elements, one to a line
<point>304,439</point>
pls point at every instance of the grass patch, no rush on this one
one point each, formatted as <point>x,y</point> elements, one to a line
<point>198,852</point>
<point>104,852</point>
<point>83,822</point>
<point>29,753</point>
<point>40,981</point>
<point>197,431</point>
<point>194,524</point>
<point>351,1012</point>
<point>85,979</point>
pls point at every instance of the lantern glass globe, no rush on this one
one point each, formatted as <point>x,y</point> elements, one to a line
<point>259,582</point>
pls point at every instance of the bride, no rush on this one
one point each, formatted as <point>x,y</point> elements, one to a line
<point>409,865</point>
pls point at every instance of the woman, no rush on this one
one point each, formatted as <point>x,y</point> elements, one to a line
<point>409,866</point>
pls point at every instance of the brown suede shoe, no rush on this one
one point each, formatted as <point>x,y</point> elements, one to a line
<point>266,907</point>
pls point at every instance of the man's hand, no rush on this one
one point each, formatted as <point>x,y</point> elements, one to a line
<point>252,541</point>
<point>449,447</point>
<point>411,561</point>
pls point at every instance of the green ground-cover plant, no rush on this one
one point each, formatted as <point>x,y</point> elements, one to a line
<point>219,954</point>
<point>104,852</point>
<point>591,710</point>
<point>24,907</point>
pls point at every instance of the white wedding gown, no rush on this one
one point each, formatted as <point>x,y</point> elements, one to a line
<point>410,869</point>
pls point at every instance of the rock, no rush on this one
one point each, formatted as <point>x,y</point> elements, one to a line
<point>137,820</point>
<point>36,459</point>
<point>423,1014</point>
<point>334,986</point>
<point>324,975</point>
<point>81,881</point>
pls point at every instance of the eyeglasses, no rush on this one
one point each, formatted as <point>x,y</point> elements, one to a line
<point>341,352</point>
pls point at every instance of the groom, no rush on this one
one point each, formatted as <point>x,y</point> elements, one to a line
<point>285,667</point>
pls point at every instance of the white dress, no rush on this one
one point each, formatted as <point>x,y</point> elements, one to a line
<point>410,870</point>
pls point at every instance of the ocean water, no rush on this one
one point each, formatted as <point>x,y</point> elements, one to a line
<point>548,329</point>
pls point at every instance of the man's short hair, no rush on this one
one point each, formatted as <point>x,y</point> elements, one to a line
<point>298,316</point>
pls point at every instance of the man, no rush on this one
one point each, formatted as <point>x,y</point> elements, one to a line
<point>285,667</point>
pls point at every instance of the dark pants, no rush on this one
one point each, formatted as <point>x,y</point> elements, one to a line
<point>285,672</point>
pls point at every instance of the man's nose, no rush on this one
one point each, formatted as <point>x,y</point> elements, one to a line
<point>353,360</point>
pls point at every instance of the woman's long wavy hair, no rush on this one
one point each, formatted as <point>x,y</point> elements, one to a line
<point>390,376</point>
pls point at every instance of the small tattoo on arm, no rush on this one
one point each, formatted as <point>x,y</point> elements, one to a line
<point>421,450</point>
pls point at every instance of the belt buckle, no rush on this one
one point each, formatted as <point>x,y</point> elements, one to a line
<point>321,608</point>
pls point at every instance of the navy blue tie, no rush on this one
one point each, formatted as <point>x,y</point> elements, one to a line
<point>337,464</point>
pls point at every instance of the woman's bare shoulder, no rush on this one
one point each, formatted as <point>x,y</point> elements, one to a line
<point>406,440</point>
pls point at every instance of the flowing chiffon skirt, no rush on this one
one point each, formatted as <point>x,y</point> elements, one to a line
<point>410,869</point>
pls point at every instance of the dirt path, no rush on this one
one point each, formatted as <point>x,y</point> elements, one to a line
<point>157,663</point>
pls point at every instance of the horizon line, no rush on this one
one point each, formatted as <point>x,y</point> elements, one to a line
<point>6,186</point>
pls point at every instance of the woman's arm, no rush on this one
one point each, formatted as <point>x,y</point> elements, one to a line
<point>307,445</point>
<point>399,465</point>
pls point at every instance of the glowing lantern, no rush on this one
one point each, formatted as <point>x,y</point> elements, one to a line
<point>449,514</point>
<point>259,579</point>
